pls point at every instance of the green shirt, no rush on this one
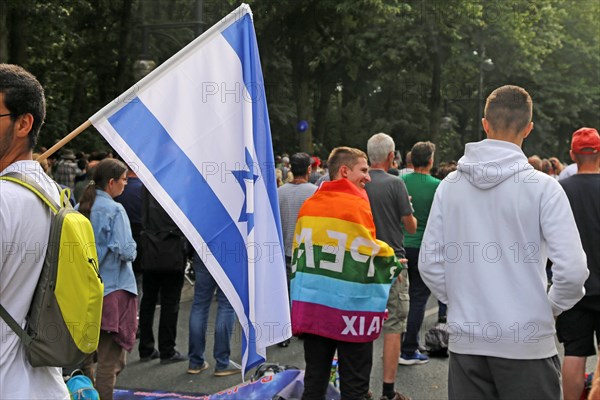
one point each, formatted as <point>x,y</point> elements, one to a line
<point>421,188</point>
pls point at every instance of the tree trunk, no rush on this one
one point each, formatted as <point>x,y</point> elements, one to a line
<point>326,88</point>
<point>302,94</point>
<point>3,32</point>
<point>435,97</point>
<point>17,47</point>
<point>303,110</point>
<point>124,66</point>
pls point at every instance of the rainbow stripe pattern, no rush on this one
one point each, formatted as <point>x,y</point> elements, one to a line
<point>341,274</point>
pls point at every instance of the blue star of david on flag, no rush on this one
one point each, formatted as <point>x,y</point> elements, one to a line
<point>246,179</point>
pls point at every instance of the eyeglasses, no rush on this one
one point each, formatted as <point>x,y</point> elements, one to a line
<point>7,115</point>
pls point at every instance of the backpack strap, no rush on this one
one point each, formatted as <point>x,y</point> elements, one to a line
<point>31,184</point>
<point>16,328</point>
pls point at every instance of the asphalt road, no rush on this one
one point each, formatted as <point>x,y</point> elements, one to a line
<point>427,381</point>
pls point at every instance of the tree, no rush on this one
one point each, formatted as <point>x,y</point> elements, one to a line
<point>350,68</point>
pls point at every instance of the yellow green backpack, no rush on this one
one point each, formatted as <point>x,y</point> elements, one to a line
<point>63,322</point>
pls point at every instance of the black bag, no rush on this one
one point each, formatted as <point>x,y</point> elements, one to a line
<point>163,251</point>
<point>270,369</point>
<point>436,341</point>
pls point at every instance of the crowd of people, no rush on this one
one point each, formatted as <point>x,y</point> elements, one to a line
<point>367,239</point>
<point>476,233</point>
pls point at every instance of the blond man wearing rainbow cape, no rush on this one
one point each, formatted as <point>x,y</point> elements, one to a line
<point>341,277</point>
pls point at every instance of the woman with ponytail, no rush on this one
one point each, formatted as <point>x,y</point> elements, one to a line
<point>116,250</point>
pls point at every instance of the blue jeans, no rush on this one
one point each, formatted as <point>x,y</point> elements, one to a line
<point>442,310</point>
<point>204,290</point>
<point>419,293</point>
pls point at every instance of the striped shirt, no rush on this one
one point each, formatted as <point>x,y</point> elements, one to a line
<point>291,198</point>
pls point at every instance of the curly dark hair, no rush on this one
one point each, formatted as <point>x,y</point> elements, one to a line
<point>23,94</point>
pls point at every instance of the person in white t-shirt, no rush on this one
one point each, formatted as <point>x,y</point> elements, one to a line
<point>409,169</point>
<point>568,171</point>
<point>24,229</point>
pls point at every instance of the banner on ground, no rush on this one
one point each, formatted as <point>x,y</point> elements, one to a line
<point>286,385</point>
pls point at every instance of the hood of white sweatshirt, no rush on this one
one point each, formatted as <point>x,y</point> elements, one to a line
<point>493,224</point>
<point>491,162</point>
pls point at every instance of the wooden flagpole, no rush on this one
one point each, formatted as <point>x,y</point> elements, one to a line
<point>65,140</point>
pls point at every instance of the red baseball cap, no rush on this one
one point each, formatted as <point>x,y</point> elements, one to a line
<point>585,141</point>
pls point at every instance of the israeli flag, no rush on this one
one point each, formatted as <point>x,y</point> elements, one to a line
<point>197,129</point>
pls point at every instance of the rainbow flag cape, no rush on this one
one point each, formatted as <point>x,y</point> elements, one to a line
<point>341,274</point>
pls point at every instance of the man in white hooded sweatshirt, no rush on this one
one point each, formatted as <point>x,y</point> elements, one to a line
<point>493,224</point>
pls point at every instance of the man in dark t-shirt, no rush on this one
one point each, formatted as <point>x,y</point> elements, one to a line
<point>576,327</point>
<point>131,199</point>
<point>391,209</point>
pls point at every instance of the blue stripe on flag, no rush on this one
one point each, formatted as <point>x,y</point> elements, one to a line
<point>328,292</point>
<point>242,39</point>
<point>135,123</point>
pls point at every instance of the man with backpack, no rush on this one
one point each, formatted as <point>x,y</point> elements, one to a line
<point>24,230</point>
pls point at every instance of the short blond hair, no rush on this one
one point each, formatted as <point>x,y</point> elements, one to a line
<point>347,156</point>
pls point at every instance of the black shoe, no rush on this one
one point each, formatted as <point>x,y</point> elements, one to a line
<point>155,354</point>
<point>397,396</point>
<point>177,357</point>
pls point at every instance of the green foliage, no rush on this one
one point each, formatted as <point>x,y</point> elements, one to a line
<point>449,146</point>
<point>351,68</point>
